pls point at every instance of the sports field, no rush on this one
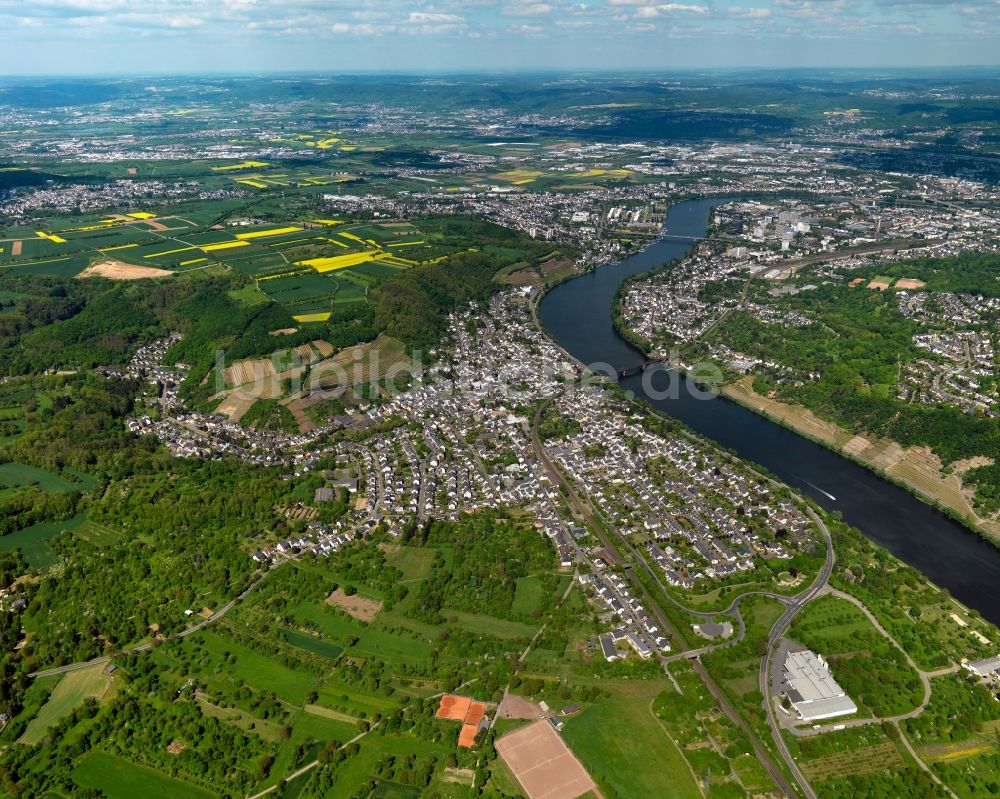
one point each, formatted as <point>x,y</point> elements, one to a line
<point>543,764</point>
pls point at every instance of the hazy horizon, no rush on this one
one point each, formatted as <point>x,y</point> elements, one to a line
<point>457,72</point>
<point>166,37</point>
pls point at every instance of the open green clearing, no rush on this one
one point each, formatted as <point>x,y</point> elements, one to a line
<point>414,563</point>
<point>19,475</point>
<point>255,668</point>
<point>490,625</point>
<point>619,739</point>
<point>120,779</point>
<point>97,534</point>
<point>33,540</point>
<point>69,694</point>
<point>528,596</point>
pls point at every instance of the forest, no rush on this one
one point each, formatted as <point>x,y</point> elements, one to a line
<point>490,553</point>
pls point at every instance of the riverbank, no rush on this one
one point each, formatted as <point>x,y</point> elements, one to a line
<point>916,469</point>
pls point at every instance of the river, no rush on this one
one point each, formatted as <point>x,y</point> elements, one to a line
<point>577,314</point>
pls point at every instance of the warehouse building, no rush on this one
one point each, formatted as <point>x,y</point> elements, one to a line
<point>811,689</point>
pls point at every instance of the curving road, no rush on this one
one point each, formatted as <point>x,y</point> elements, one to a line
<point>925,676</point>
<point>588,515</point>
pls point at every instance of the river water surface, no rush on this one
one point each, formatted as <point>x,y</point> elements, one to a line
<point>577,314</point>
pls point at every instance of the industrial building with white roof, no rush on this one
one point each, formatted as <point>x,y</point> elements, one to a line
<point>811,689</point>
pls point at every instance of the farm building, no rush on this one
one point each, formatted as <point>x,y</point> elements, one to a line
<point>324,495</point>
<point>811,689</point>
<point>984,668</point>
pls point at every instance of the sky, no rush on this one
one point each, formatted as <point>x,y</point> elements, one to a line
<point>231,36</point>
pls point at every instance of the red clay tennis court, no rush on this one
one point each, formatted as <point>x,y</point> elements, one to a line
<point>543,764</point>
<point>465,710</point>
<point>467,737</point>
<point>461,708</point>
<point>453,707</point>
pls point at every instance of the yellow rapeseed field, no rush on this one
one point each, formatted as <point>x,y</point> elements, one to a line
<point>223,245</point>
<point>169,252</point>
<point>263,234</point>
<point>241,165</point>
<point>312,317</point>
<point>339,261</point>
<point>50,237</point>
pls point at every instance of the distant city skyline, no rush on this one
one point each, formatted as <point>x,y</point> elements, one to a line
<point>174,36</point>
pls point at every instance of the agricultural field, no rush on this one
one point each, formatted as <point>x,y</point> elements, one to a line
<point>366,363</point>
<point>68,694</point>
<point>866,761</point>
<point>287,260</point>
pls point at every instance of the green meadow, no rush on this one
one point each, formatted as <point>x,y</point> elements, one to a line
<point>118,778</point>
<point>33,540</point>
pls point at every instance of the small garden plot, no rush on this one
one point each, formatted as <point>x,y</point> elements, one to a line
<point>355,605</point>
<point>394,790</point>
<point>312,644</point>
<point>854,762</point>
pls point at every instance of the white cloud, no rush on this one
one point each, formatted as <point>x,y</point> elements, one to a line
<point>749,13</point>
<point>527,9</point>
<point>668,9</point>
